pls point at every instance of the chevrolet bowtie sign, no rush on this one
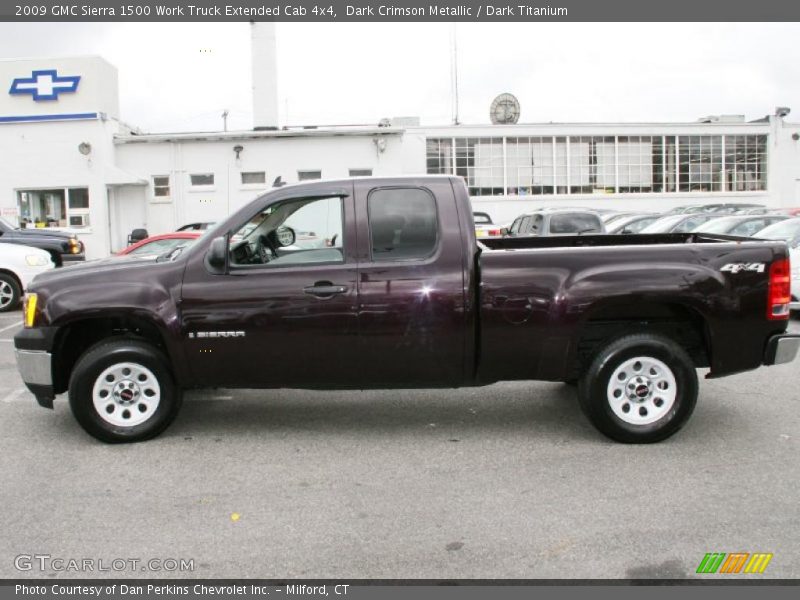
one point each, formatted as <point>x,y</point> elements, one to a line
<point>45,85</point>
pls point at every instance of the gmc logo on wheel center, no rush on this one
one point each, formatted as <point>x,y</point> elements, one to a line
<point>739,267</point>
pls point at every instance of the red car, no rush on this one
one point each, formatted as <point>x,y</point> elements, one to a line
<point>156,245</point>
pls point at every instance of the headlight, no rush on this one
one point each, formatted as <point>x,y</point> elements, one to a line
<point>75,246</point>
<point>36,260</point>
<point>29,309</point>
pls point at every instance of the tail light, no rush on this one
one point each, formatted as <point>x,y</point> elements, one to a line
<point>495,232</point>
<point>780,289</point>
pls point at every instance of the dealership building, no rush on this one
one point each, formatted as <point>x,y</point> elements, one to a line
<point>70,162</point>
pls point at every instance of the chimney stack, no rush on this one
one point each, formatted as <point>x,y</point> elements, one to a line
<point>263,50</point>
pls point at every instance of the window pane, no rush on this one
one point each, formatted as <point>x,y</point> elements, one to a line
<point>292,233</point>
<point>253,177</point>
<point>402,224</point>
<point>575,223</point>
<point>79,198</point>
<point>308,175</point>
<point>202,179</point>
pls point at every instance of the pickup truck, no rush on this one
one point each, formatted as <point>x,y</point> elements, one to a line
<point>394,291</point>
<point>63,247</point>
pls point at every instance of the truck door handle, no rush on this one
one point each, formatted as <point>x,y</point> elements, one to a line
<point>325,289</point>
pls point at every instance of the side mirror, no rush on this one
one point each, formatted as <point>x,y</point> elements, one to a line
<point>217,254</point>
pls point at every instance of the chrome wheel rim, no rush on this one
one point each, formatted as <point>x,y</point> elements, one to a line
<point>6,294</point>
<point>642,390</point>
<point>126,394</point>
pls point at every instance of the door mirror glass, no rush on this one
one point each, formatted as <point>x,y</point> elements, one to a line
<point>217,251</point>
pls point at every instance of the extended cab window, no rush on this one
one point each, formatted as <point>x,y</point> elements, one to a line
<point>295,232</point>
<point>402,223</point>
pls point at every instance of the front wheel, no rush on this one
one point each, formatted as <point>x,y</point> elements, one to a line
<point>639,389</point>
<point>123,391</point>
<point>10,293</point>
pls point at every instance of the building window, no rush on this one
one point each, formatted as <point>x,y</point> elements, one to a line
<point>480,162</point>
<point>308,175</point>
<point>530,165</point>
<point>700,163</point>
<point>161,186</point>
<point>592,164</point>
<point>640,162</point>
<point>360,172</point>
<point>198,179</point>
<point>439,156</point>
<point>54,207</point>
<point>254,177</point>
<point>745,163</point>
<point>540,165</point>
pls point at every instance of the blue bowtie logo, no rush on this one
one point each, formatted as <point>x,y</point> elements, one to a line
<point>45,85</point>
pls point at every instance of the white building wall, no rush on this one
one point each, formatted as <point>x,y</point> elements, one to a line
<point>281,156</point>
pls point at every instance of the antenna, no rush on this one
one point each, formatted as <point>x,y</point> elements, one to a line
<point>454,72</point>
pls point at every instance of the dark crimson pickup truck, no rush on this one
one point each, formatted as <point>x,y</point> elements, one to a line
<point>380,283</point>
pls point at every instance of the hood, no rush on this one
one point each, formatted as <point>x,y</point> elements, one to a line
<point>105,270</point>
<point>41,233</point>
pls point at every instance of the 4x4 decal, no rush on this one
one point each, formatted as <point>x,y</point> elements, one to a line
<point>739,267</point>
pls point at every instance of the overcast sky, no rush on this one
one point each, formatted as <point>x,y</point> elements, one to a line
<point>180,77</point>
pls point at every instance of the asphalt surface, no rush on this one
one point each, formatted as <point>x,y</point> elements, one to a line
<point>508,481</point>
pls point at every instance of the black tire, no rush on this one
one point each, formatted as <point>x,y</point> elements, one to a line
<point>595,393</point>
<point>105,355</point>
<point>9,284</point>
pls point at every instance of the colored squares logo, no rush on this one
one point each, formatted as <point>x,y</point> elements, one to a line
<point>734,562</point>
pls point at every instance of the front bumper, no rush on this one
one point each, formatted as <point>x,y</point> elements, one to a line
<point>781,349</point>
<point>35,362</point>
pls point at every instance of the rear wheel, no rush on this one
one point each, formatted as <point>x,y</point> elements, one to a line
<point>10,292</point>
<point>639,389</point>
<point>123,391</point>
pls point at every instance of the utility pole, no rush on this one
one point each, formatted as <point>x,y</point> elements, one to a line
<point>225,120</point>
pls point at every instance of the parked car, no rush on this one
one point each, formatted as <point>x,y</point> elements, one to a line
<point>63,247</point>
<point>549,222</point>
<point>484,227</point>
<point>159,244</point>
<point>407,299</point>
<point>743,225</point>
<point>612,216</point>
<point>199,226</point>
<point>631,223</point>
<point>721,208</point>
<point>682,223</point>
<point>18,266</point>
<point>787,231</point>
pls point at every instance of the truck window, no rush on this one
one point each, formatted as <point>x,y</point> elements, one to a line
<point>402,223</point>
<point>296,232</point>
<point>575,223</point>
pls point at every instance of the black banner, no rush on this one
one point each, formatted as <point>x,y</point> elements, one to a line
<point>401,10</point>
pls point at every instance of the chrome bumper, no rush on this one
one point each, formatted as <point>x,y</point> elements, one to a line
<point>781,349</point>
<point>35,367</point>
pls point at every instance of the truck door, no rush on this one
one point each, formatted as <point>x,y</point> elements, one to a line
<point>284,312</point>
<point>411,298</point>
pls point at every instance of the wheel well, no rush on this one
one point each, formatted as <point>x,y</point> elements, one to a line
<point>684,325</point>
<point>74,339</point>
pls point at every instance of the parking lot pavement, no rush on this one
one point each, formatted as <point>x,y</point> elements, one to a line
<point>508,481</point>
